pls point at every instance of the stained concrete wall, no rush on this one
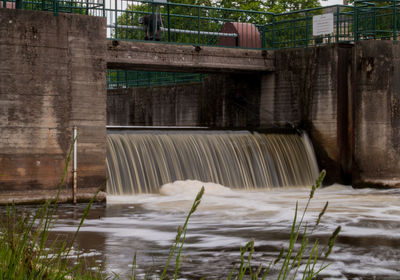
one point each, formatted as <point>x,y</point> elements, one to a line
<point>52,77</point>
<point>220,101</point>
<point>149,56</point>
<point>347,98</point>
<point>377,114</point>
<point>310,91</point>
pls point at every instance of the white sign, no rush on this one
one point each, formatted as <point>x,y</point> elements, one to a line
<point>322,24</point>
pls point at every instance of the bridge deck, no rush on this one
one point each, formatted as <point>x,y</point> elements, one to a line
<point>168,57</point>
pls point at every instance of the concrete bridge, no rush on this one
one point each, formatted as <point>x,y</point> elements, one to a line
<point>181,58</point>
<point>53,77</point>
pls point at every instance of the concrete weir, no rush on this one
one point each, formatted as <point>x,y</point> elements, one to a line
<point>53,77</point>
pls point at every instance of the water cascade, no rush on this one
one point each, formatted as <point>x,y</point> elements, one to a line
<point>141,162</point>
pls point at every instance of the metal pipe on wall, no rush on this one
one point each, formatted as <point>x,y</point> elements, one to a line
<point>75,164</point>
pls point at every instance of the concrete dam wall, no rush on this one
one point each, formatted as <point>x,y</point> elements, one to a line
<point>220,101</point>
<point>53,77</point>
<point>343,95</point>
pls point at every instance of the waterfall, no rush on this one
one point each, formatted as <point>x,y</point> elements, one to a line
<point>141,162</point>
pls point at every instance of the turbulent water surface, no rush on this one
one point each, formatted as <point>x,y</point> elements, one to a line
<point>368,246</point>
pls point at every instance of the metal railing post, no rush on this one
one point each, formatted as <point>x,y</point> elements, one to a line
<point>355,28</point>
<point>154,19</point>
<point>374,23</point>
<point>395,21</point>
<point>18,4</point>
<point>273,32</point>
<point>294,34</point>
<point>126,78</point>
<point>169,22</point>
<point>198,25</point>
<point>116,19</point>
<point>307,29</point>
<point>55,7</point>
<point>263,37</point>
<point>337,23</point>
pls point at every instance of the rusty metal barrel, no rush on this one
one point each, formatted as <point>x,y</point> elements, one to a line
<point>248,35</point>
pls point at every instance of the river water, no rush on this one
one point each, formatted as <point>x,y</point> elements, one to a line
<point>368,246</point>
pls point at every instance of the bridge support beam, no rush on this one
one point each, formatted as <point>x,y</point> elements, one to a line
<point>183,58</point>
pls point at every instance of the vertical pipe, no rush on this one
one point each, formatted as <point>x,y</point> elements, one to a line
<point>74,170</point>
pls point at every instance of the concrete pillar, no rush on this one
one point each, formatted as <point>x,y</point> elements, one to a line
<point>52,78</point>
<point>267,99</point>
<point>377,114</point>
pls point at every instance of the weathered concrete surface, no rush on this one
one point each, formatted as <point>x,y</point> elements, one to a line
<point>41,196</point>
<point>377,114</point>
<point>309,90</point>
<point>52,77</point>
<point>182,58</point>
<point>220,101</point>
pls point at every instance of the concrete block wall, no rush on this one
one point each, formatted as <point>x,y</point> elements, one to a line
<point>347,98</point>
<point>52,77</point>
<point>377,114</point>
<point>220,101</point>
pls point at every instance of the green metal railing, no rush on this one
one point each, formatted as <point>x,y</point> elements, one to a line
<point>212,26</point>
<point>377,20</point>
<point>295,29</point>
<point>129,79</point>
<point>185,24</point>
<point>85,7</point>
<point>201,25</point>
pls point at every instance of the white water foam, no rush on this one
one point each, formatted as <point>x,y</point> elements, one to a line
<point>190,188</point>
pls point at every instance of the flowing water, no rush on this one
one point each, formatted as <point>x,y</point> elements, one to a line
<point>142,217</point>
<point>141,162</point>
<point>367,248</point>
